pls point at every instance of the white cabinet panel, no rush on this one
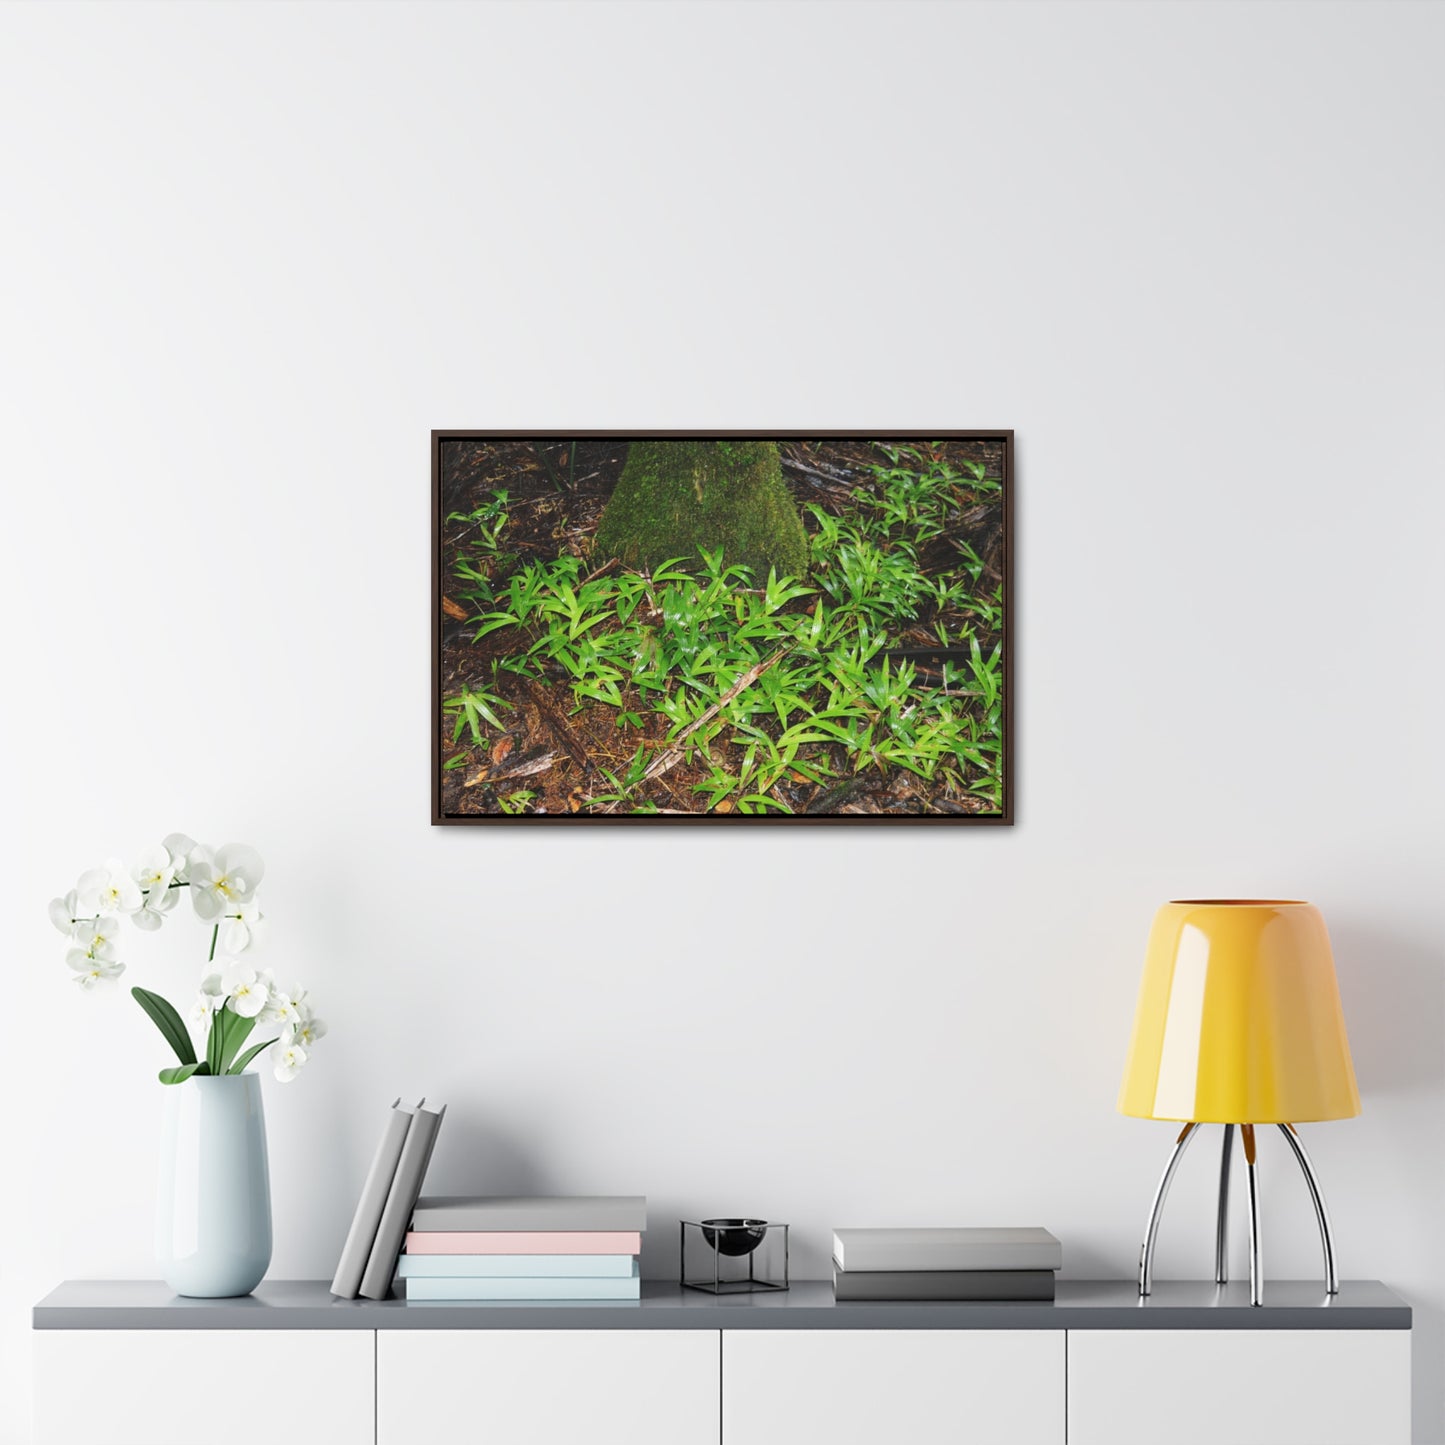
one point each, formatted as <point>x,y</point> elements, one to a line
<point>1247,1387</point>
<point>893,1387</point>
<point>202,1387</point>
<point>547,1387</point>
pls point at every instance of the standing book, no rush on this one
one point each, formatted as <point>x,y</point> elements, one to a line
<point>362,1234</point>
<point>400,1201</point>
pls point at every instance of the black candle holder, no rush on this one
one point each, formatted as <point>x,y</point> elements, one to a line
<point>733,1256</point>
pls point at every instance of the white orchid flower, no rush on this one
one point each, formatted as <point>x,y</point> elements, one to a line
<point>108,889</point>
<point>64,912</point>
<point>180,848</point>
<point>290,1060</point>
<point>243,929</point>
<point>97,937</point>
<point>154,869</point>
<point>62,915</point>
<point>153,910</point>
<point>248,994</point>
<point>91,971</point>
<point>155,875</point>
<point>229,971</point>
<point>211,997</point>
<point>304,1031</point>
<point>280,1009</point>
<point>306,1028</point>
<point>222,882</point>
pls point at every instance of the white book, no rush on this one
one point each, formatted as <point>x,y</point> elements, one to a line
<point>517,1266</point>
<point>864,1250</point>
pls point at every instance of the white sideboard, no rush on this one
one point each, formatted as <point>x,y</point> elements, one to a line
<point>128,1363</point>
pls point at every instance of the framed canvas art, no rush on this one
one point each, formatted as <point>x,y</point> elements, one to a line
<point>732,628</point>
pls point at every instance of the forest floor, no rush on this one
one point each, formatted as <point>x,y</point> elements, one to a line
<point>566,722</point>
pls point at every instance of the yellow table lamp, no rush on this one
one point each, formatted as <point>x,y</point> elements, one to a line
<point>1239,1022</point>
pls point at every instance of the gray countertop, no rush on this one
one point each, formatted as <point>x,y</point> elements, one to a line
<point>809,1305</point>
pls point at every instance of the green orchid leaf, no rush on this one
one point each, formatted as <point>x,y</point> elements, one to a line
<point>216,1039</point>
<point>239,1067</point>
<point>237,1031</point>
<point>168,1021</point>
<point>179,1073</point>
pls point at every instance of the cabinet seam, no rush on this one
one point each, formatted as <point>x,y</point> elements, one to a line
<point>1066,1387</point>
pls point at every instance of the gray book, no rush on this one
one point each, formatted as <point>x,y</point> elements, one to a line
<point>585,1213</point>
<point>400,1201</point>
<point>943,1284</point>
<point>359,1238</point>
<point>933,1249</point>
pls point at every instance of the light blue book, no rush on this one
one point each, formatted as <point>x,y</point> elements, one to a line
<point>477,1288</point>
<point>517,1266</point>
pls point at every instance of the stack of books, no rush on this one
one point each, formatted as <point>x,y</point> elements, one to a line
<point>503,1248</point>
<point>945,1264</point>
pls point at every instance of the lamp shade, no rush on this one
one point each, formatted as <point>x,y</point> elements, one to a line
<point>1239,1018</point>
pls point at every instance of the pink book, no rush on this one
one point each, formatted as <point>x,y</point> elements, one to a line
<point>544,1242</point>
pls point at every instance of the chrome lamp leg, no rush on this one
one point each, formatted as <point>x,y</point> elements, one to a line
<point>1251,1173</point>
<point>1146,1255</point>
<point>1221,1231</point>
<point>1221,1228</point>
<point>1322,1215</point>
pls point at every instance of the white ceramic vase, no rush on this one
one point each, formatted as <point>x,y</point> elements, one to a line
<point>213,1215</point>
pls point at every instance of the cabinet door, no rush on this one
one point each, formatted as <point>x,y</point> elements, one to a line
<point>202,1387</point>
<point>1249,1387</point>
<point>902,1387</point>
<point>547,1387</point>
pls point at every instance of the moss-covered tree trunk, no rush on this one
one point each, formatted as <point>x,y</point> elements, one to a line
<point>675,497</point>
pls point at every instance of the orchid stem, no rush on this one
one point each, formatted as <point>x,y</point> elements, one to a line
<point>215,933</point>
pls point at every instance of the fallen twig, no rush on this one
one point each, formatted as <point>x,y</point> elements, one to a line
<point>833,475</point>
<point>669,759</point>
<point>527,767</point>
<point>606,567</point>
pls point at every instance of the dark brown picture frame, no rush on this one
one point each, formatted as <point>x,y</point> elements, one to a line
<point>444,619</point>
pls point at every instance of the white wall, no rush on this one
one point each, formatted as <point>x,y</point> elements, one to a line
<point>252,255</point>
